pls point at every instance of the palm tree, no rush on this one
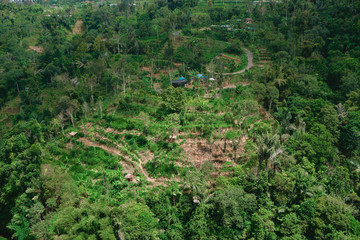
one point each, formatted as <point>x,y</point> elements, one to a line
<point>288,129</point>
<point>268,148</point>
<point>341,110</point>
<point>280,79</point>
<point>196,183</point>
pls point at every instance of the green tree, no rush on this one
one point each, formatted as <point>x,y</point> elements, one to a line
<point>20,159</point>
<point>262,225</point>
<point>291,225</point>
<point>329,117</point>
<point>350,134</point>
<point>172,123</point>
<point>135,221</point>
<point>88,221</point>
<point>268,148</point>
<point>339,182</point>
<point>97,45</point>
<point>332,215</point>
<point>174,99</point>
<point>234,208</point>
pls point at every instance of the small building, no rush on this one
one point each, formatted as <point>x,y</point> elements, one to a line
<point>249,20</point>
<point>130,177</point>
<point>179,82</point>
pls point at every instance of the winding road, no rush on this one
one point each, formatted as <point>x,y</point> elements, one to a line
<point>249,65</point>
<point>248,54</point>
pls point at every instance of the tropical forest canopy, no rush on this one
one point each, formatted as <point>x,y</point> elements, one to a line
<point>180,119</point>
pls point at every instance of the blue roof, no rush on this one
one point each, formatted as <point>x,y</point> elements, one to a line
<point>179,82</point>
<point>201,76</point>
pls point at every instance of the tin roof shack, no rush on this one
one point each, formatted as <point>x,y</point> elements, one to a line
<point>179,82</point>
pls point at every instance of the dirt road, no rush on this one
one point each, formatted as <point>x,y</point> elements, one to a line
<point>249,65</point>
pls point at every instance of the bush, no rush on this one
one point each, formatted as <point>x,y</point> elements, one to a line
<point>174,99</point>
<point>162,167</point>
<point>136,141</point>
<point>77,169</point>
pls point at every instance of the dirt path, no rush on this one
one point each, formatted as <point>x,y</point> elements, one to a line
<point>116,151</point>
<point>229,57</point>
<point>230,86</point>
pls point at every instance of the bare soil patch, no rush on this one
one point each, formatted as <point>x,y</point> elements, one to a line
<point>79,27</point>
<point>199,151</point>
<point>157,73</point>
<point>148,69</point>
<point>229,57</point>
<point>38,49</point>
<point>10,110</point>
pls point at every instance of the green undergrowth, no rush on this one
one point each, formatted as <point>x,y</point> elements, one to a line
<point>140,123</point>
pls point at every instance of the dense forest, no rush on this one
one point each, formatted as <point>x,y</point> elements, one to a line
<point>180,119</point>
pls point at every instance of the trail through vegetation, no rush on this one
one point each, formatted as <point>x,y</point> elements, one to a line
<point>180,119</point>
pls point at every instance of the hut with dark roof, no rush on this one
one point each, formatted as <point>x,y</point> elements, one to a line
<point>179,82</point>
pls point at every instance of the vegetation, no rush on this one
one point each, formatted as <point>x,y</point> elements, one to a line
<point>95,143</point>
